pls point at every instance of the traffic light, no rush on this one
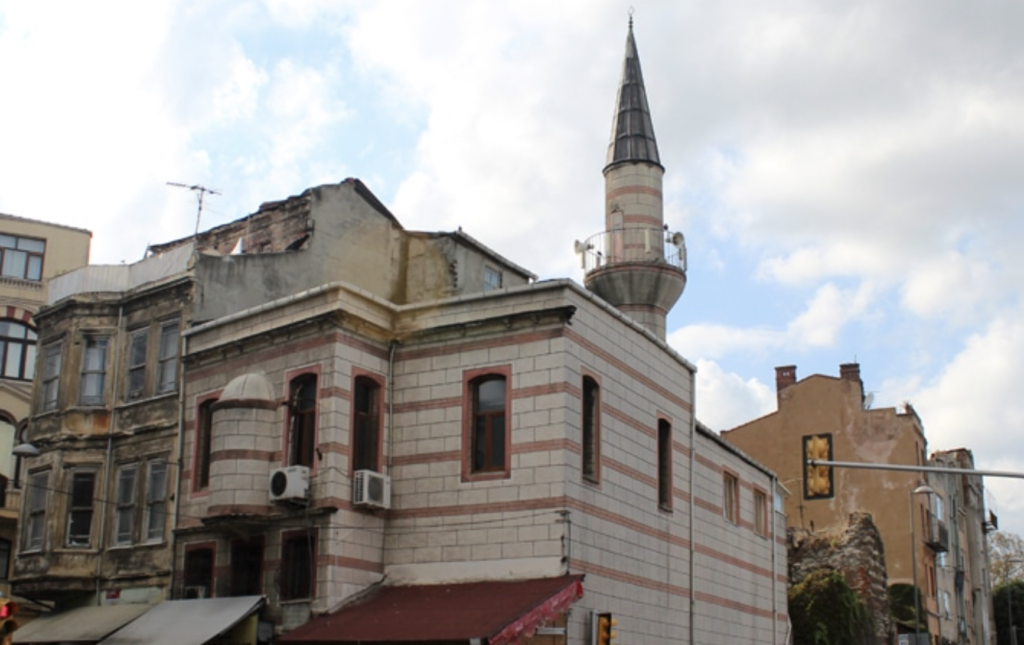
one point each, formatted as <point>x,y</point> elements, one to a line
<point>8,608</point>
<point>817,479</point>
<point>606,629</point>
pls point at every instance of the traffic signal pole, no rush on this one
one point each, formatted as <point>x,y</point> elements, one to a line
<point>915,469</point>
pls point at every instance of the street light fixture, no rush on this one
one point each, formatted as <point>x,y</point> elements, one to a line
<point>25,450</point>
<point>923,489</point>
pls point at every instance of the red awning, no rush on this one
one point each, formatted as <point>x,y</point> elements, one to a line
<point>497,613</point>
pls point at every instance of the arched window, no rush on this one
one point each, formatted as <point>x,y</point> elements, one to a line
<point>488,430</point>
<point>204,438</point>
<point>664,464</point>
<point>17,350</point>
<point>302,426</point>
<point>591,429</point>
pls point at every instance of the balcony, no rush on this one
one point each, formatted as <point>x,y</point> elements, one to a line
<point>937,535</point>
<point>642,269</point>
<point>639,244</point>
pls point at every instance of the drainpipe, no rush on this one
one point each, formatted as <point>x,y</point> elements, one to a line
<point>693,460</point>
<point>775,600</point>
<point>391,401</point>
<point>181,458</point>
<point>101,541</point>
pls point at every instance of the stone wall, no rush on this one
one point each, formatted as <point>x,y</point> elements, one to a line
<point>857,551</point>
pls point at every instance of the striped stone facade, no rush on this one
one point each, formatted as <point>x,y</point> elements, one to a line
<point>673,570</point>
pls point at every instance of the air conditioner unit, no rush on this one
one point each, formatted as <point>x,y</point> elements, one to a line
<point>290,484</point>
<point>371,489</point>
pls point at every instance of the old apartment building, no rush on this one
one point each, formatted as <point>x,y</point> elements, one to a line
<point>825,417</point>
<point>962,586</point>
<point>31,252</point>
<point>317,406</point>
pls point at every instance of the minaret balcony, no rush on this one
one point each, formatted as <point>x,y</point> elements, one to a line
<point>633,245</point>
<point>641,268</point>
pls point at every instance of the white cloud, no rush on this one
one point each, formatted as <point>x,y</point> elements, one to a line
<point>975,400</point>
<point>824,317</point>
<point>827,313</point>
<point>975,403</point>
<point>708,340</point>
<point>725,399</point>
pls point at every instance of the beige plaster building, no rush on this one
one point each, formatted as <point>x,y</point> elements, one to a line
<point>836,411</point>
<point>31,252</point>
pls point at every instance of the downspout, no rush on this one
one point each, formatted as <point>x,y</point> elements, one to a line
<point>101,540</point>
<point>693,461</point>
<point>775,574</point>
<point>391,401</point>
<point>181,459</point>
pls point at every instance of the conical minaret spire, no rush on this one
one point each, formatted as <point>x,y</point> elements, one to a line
<point>632,130</point>
<point>636,264</point>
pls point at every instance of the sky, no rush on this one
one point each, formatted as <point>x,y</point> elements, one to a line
<point>848,176</point>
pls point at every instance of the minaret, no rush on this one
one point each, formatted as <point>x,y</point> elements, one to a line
<point>635,264</point>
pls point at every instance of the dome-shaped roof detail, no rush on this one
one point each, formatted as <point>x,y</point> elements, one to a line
<point>249,387</point>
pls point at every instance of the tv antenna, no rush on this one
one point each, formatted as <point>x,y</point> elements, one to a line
<point>200,193</point>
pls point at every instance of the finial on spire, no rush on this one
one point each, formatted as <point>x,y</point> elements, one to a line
<point>631,18</point>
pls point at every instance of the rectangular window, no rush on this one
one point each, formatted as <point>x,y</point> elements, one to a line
<point>51,375</point>
<point>664,464</point>
<point>21,257</point>
<point>138,343</point>
<point>731,498</point>
<point>167,361</point>
<point>156,500</point>
<point>17,350</point>
<point>302,426</point>
<point>247,567</point>
<point>760,513</point>
<point>366,430</point>
<point>492,279</point>
<point>204,433</point>
<point>5,558</point>
<point>35,510</point>
<point>94,370</point>
<point>80,498</point>
<point>591,429</point>
<point>198,579</point>
<point>298,557</point>
<point>124,523</point>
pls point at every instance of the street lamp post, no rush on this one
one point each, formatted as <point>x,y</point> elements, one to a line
<point>923,489</point>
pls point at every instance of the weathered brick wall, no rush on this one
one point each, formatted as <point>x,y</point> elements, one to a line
<point>857,551</point>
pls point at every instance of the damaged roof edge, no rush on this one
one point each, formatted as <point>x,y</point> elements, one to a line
<point>469,240</point>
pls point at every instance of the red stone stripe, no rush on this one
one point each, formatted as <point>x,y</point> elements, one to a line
<point>611,195</point>
<point>250,455</point>
<point>631,373</point>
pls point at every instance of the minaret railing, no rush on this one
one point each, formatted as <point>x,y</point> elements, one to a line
<point>633,245</point>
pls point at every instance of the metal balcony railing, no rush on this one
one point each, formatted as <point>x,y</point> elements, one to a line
<point>636,244</point>
<point>937,535</point>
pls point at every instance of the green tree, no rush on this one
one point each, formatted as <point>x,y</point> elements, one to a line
<point>901,609</point>
<point>1006,557</point>
<point>1007,601</point>
<point>824,610</point>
